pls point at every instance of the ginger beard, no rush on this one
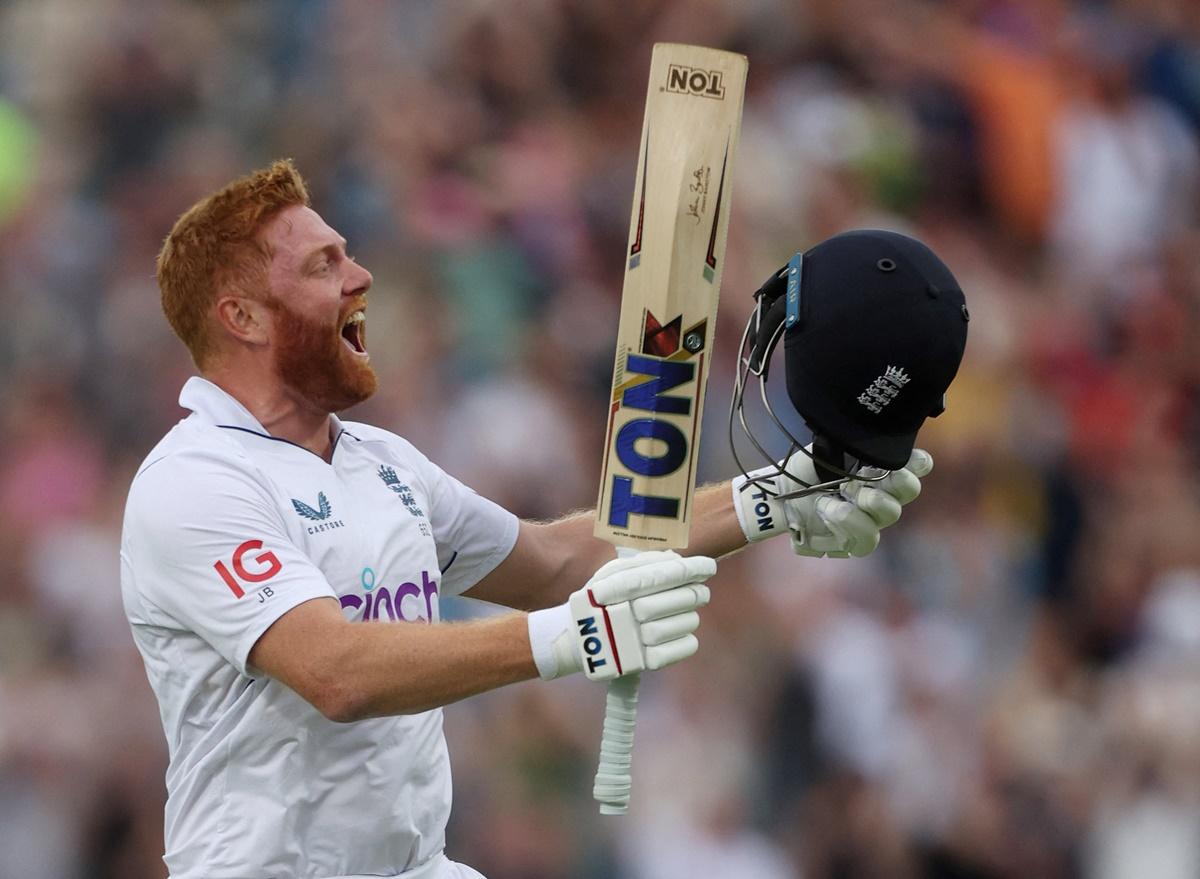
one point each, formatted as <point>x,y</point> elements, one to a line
<point>313,359</point>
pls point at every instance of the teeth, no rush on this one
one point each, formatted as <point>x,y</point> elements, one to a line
<point>356,318</point>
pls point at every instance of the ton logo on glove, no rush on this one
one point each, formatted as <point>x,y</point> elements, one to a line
<point>591,643</point>
<point>763,520</point>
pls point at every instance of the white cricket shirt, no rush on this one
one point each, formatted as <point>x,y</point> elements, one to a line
<point>226,529</point>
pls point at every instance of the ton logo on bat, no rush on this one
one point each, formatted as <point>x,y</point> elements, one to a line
<point>650,396</point>
<point>695,81</point>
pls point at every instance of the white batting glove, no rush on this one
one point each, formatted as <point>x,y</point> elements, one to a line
<point>636,613</point>
<point>836,523</point>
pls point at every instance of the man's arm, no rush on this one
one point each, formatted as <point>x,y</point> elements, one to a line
<point>552,559</point>
<point>350,671</point>
<point>633,614</point>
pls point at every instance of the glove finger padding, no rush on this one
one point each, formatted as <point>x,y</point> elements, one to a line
<point>672,652</point>
<point>858,532</point>
<point>664,570</point>
<point>882,507</point>
<point>669,603</point>
<point>658,632</point>
<point>635,560</point>
<point>904,484</point>
<point>920,463</point>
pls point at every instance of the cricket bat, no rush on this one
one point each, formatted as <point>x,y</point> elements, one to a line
<point>676,254</point>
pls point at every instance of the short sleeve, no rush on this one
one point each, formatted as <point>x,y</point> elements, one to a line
<point>473,534</point>
<point>207,552</point>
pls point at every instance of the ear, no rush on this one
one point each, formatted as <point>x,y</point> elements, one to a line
<point>244,319</point>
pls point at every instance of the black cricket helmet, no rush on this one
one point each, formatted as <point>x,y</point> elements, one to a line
<point>874,326</point>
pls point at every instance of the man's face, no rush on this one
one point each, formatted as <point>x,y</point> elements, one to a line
<point>318,298</point>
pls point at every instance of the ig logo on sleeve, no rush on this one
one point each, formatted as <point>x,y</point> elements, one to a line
<point>266,565</point>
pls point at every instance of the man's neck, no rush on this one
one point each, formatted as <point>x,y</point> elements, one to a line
<point>281,412</point>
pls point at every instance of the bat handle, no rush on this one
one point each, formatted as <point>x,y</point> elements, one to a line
<point>614,777</point>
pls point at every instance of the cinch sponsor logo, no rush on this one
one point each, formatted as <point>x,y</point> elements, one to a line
<point>266,566</point>
<point>695,81</point>
<point>407,602</point>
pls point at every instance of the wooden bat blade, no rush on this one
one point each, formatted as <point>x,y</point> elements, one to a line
<point>674,262</point>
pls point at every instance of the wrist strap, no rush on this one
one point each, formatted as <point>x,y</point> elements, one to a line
<point>759,513</point>
<point>545,629</point>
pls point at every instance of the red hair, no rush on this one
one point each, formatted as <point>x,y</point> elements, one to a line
<point>215,244</point>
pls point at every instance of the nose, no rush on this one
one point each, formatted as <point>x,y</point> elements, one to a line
<point>358,281</point>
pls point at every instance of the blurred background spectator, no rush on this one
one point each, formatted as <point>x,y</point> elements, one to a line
<point>1010,687</point>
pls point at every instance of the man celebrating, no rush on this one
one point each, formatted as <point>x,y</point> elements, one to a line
<point>269,548</point>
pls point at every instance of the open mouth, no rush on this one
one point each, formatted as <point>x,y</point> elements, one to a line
<point>354,333</point>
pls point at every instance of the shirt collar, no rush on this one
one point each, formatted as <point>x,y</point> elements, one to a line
<point>218,407</point>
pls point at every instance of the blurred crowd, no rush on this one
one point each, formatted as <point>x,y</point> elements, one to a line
<point>1009,687</point>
